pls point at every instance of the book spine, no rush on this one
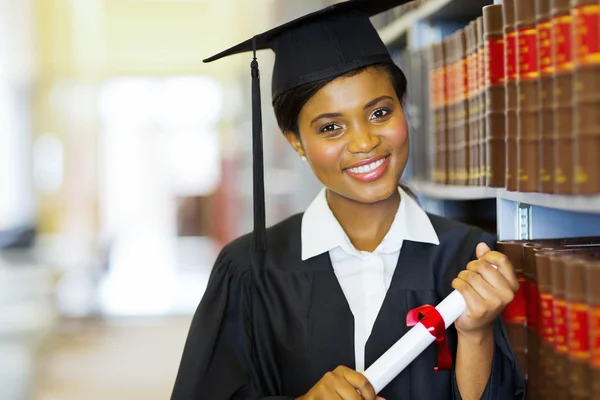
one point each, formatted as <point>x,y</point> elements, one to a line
<point>545,356</point>
<point>563,93</point>
<point>559,309</point>
<point>546,95</point>
<point>444,93</point>
<point>495,98</point>
<point>471,94</point>
<point>452,109</point>
<point>534,340</point>
<point>510,55</point>
<point>434,112</point>
<point>481,161</point>
<point>577,332</point>
<point>527,95</point>
<point>593,299</point>
<point>586,96</point>
<point>515,314</point>
<point>463,110</point>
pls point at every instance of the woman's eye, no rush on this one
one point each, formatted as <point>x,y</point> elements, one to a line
<point>380,113</point>
<point>329,128</point>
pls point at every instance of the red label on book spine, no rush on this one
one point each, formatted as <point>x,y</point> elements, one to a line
<point>560,325</point>
<point>578,335</point>
<point>545,47</point>
<point>465,79</point>
<point>444,85</point>
<point>452,83</point>
<point>533,305</point>
<point>516,310</point>
<point>547,318</point>
<point>594,326</point>
<point>494,53</point>
<point>510,55</point>
<point>561,32</point>
<point>528,54</point>
<point>586,34</point>
<point>433,87</point>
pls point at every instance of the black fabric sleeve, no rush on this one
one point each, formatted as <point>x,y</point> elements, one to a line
<point>217,357</point>
<point>506,379</point>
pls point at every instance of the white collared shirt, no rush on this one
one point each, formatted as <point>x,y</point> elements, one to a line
<point>364,277</point>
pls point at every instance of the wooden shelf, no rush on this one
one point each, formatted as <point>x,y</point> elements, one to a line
<point>433,10</point>
<point>453,192</point>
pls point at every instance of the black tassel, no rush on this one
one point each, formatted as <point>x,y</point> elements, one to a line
<point>260,240</point>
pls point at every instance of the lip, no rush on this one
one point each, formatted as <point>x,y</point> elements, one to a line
<point>371,175</point>
<point>366,162</point>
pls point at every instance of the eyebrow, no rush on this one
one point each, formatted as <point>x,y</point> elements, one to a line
<point>335,115</point>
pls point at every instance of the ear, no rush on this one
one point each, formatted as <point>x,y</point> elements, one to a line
<point>294,139</point>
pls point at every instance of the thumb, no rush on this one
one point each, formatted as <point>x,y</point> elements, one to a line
<point>482,248</point>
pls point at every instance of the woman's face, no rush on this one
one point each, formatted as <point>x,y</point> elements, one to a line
<point>354,136</point>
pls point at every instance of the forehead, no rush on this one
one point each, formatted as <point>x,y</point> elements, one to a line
<point>350,92</point>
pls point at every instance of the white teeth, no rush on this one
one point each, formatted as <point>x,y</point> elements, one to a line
<point>367,168</point>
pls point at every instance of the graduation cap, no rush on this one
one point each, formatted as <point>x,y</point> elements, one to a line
<point>320,45</point>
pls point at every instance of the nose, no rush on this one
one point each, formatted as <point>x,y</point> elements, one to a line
<point>363,141</point>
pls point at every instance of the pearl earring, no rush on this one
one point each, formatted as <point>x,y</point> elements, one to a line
<point>303,158</point>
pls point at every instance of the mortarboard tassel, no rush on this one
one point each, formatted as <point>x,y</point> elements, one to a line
<point>260,240</point>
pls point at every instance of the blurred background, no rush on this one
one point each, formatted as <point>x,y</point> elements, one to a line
<point>125,165</point>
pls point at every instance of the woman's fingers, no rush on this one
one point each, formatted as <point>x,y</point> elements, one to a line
<point>357,387</point>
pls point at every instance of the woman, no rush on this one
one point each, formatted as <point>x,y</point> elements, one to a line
<point>299,311</point>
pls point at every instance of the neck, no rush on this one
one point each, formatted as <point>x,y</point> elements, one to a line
<point>365,224</point>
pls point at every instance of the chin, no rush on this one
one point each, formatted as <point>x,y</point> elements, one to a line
<point>370,193</point>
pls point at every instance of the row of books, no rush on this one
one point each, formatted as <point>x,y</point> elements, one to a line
<point>554,321</point>
<point>515,99</point>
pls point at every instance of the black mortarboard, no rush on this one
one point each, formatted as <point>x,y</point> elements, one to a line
<point>324,44</point>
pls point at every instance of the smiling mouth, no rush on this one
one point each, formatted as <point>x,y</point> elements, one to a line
<point>363,169</point>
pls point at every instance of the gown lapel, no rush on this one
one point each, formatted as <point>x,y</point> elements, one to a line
<point>413,275</point>
<point>331,322</point>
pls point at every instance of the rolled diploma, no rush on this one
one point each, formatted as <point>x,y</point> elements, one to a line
<point>413,343</point>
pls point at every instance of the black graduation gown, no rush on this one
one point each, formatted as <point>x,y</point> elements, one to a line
<point>273,333</point>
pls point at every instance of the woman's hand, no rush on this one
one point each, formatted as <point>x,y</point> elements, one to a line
<point>486,290</point>
<point>342,383</point>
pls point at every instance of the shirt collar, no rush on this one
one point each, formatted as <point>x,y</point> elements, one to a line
<point>321,232</point>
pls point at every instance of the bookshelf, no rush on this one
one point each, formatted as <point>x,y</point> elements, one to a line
<point>517,215</point>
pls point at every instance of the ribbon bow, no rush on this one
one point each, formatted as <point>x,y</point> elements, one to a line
<point>434,323</point>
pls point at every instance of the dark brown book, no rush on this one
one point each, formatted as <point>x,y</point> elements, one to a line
<point>471,87</point>
<point>482,143</point>
<point>593,299</point>
<point>510,52</point>
<point>451,107</point>
<point>434,95</point>
<point>586,96</point>
<point>527,95</point>
<point>515,314</point>
<point>442,114</point>
<point>546,96</point>
<point>534,340</point>
<point>462,117</point>
<point>578,331</point>
<point>559,308</point>
<point>563,95</point>
<point>545,363</point>
<point>495,98</point>
<point>445,83</point>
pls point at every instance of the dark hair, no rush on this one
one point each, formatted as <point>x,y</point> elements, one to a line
<point>289,104</point>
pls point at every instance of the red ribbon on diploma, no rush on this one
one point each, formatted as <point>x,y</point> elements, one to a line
<point>433,321</point>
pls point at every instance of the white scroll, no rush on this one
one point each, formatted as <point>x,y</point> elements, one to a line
<point>413,343</point>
